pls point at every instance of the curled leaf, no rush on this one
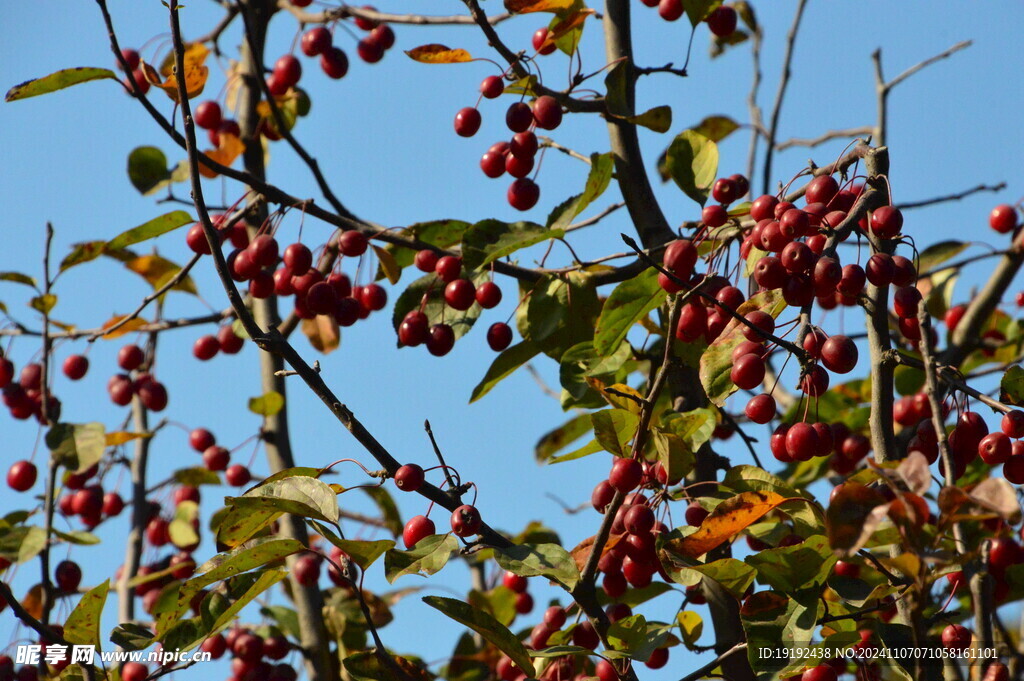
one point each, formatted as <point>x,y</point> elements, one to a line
<point>438,54</point>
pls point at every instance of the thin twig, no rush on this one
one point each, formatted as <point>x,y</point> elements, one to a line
<point>825,137</point>
<point>780,95</point>
<point>953,197</point>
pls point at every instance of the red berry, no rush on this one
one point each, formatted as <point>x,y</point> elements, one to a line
<point>488,295</point>
<point>448,268</point>
<point>821,189</point>
<point>409,477</point>
<point>207,115</point>
<point>748,372</point>
<point>499,336</point>
<point>76,366</point>
<point>460,294</point>
<point>67,576</point>
<point>237,475</point>
<point>130,357</point>
<point>823,672</point>
<point>131,57</point>
<point>441,340</point>
<point>540,36</point>
<point>465,521</point>
<point>519,117</point>
<point>316,41</point>
<point>523,194</point>
<point>426,260</point>
<point>21,476</point>
<point>839,354</point>
<point>334,63</point>
<point>761,408</point>
<point>134,671</point>
<point>416,529</point>
<point>886,222</point>
<point>722,21</point>
<point>670,10</point>
<point>626,475</point>
<point>724,190</point>
<point>956,637</point>
<point>1003,218</point>
<point>492,87</point>
<point>205,348</point>
<point>467,121</point>
<point>547,112</point>
<point>369,50</point>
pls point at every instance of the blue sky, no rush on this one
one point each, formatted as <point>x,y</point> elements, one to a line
<point>384,139</point>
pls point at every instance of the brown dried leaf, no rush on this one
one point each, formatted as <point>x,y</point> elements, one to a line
<point>998,496</point>
<point>33,601</point>
<point>322,332</point>
<point>527,6</point>
<point>914,471</point>
<point>853,515</point>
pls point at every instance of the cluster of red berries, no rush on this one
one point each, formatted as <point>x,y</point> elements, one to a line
<point>254,261</point>
<point>460,293</point>
<point>24,397</point>
<point>516,156</point>
<point>217,458</point>
<point>318,41</point>
<point>209,116</point>
<point>968,440</point>
<point>88,501</point>
<point>253,656</point>
<point>122,387</point>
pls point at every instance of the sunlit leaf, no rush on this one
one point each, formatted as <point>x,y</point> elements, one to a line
<point>692,161</point>
<point>504,364</point>
<point>485,625</point>
<point>58,81</point>
<point>728,519</point>
<point>158,271</point>
<point>149,230</point>
<point>438,54</point>
<point>267,404</point>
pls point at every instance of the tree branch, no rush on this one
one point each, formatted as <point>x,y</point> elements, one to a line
<point>780,95</point>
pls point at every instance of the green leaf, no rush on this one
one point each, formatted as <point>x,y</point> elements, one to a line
<point>196,476</point>
<point>601,167</point>
<point>793,568</point>
<point>695,427</point>
<point>43,303</point>
<point>734,575</point>
<point>368,666</point>
<point>428,556</point>
<point>77,537</point>
<point>82,253</point>
<point>57,81</point>
<point>658,119</point>
<point>548,560</point>
<point>637,637</point>
<point>716,362</point>
<point>21,544</point>
<point>582,364</point>
<point>362,553</point>
<point>747,15</point>
<point>557,439</point>
<point>908,380</point>
<point>698,10</point>
<point>627,304</point>
<point>267,579</point>
<point>180,528</point>
<point>149,230</point>
<point>131,636</point>
<point>485,625</point>
<point>719,44</point>
<point>388,509</point>
<point>716,128</point>
<point>940,252</point>
<point>1011,386</point>
<point>435,308</point>
<point>559,312</point>
<point>286,619</point>
<point>18,278</point>
<point>772,619</point>
<point>592,447</point>
<point>503,365</point>
<point>440,233</point>
<point>302,496</point>
<point>692,162</point>
<point>77,445</point>
<point>267,404</point>
<point>83,624</point>
<point>147,169</point>
<point>675,455</point>
<point>614,428</point>
<point>489,240</point>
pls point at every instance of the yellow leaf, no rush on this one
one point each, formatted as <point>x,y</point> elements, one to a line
<point>527,6</point>
<point>620,402</point>
<point>196,72</point>
<point>158,271</point>
<point>438,54</point>
<point>230,147</point>
<point>572,21</point>
<point>127,328</point>
<point>388,265</point>
<point>33,601</point>
<point>729,518</point>
<point>121,436</point>
<point>322,332</point>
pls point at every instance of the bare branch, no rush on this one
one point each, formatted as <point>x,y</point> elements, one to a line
<point>780,95</point>
<point>953,197</point>
<point>826,137</point>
